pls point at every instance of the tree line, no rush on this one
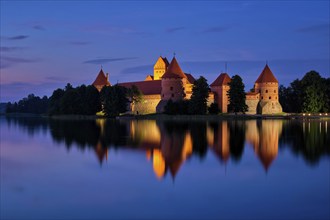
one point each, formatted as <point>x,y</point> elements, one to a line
<point>311,94</point>
<point>82,100</point>
<point>30,104</point>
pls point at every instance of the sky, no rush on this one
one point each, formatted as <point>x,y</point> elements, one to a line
<point>46,44</point>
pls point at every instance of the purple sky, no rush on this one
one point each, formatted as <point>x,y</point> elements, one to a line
<point>46,44</point>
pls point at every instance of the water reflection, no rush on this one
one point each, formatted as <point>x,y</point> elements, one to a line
<point>167,144</point>
<point>264,136</point>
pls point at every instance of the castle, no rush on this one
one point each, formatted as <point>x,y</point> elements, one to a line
<point>170,82</point>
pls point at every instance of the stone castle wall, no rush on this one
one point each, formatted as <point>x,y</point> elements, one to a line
<point>172,89</point>
<point>147,105</point>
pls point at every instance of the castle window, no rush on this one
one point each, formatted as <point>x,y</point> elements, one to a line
<point>266,91</point>
<point>262,97</point>
<point>172,95</point>
<point>276,97</point>
<point>274,90</point>
<point>171,88</point>
<point>163,95</point>
<point>270,97</point>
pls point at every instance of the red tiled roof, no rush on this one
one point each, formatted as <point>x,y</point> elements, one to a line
<point>266,76</point>
<point>223,79</point>
<point>101,80</point>
<point>148,78</point>
<point>174,70</point>
<point>190,78</point>
<point>166,61</point>
<point>151,87</point>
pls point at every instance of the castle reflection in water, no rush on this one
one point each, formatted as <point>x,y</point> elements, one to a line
<point>168,144</point>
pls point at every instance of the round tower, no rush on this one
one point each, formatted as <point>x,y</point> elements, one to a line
<point>173,82</point>
<point>267,86</point>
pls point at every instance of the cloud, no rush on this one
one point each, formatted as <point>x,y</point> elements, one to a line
<point>314,28</point>
<point>56,78</point>
<point>6,62</point>
<point>108,60</point>
<point>104,28</point>
<point>39,27</point>
<point>18,37</point>
<point>174,29</point>
<point>80,43</point>
<point>215,29</point>
<point>10,49</point>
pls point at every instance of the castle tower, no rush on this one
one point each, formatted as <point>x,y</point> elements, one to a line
<point>267,86</point>
<point>101,80</point>
<point>160,67</point>
<point>173,82</point>
<point>220,88</point>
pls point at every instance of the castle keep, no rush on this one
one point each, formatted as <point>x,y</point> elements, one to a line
<point>170,82</point>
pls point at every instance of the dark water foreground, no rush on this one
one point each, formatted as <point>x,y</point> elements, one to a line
<point>148,169</point>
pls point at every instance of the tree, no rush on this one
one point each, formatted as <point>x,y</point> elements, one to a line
<point>180,107</point>
<point>134,95</point>
<point>30,104</point>
<point>236,95</point>
<point>92,100</point>
<point>214,109</point>
<point>200,94</point>
<point>310,94</point>
<point>71,102</point>
<point>314,93</point>
<point>55,102</point>
<point>114,100</point>
<point>287,99</point>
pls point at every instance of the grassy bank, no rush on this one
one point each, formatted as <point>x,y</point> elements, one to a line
<point>224,117</point>
<point>218,117</point>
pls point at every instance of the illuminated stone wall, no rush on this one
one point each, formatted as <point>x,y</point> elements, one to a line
<point>147,105</point>
<point>252,101</point>
<point>221,97</point>
<point>172,88</point>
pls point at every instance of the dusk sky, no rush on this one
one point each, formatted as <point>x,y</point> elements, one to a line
<point>46,44</point>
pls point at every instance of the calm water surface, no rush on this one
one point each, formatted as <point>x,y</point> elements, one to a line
<point>146,169</point>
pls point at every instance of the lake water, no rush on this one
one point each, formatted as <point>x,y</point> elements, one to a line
<point>147,169</point>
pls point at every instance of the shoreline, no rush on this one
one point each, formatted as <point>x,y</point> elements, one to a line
<point>230,116</point>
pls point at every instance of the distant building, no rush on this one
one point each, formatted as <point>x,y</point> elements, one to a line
<point>220,88</point>
<point>101,80</point>
<point>169,82</point>
<point>264,97</point>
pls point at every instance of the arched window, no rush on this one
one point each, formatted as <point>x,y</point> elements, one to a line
<point>172,95</point>
<point>270,97</point>
<point>262,97</point>
<point>266,91</point>
<point>274,90</point>
<point>171,88</point>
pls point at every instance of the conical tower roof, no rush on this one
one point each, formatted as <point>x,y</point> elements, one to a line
<point>101,79</point>
<point>174,70</point>
<point>223,79</point>
<point>266,76</point>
